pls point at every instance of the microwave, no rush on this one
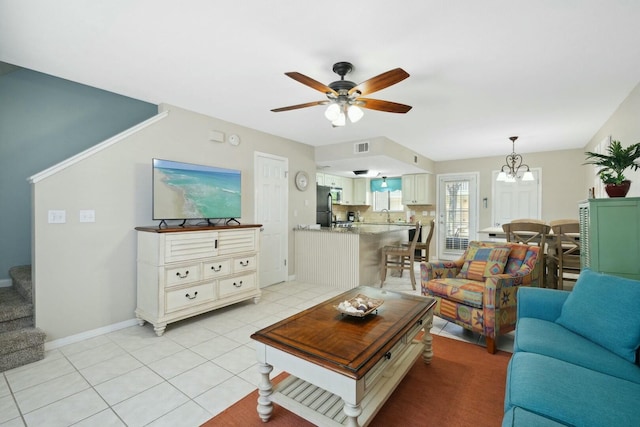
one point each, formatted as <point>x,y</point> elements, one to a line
<point>336,195</point>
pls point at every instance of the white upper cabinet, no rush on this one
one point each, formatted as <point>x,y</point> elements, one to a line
<point>361,193</point>
<point>418,189</point>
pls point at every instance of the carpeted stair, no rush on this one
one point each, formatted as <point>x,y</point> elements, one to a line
<point>20,341</point>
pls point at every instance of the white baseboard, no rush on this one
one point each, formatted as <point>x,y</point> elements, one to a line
<point>5,283</point>
<point>88,334</point>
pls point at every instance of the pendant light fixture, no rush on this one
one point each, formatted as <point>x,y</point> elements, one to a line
<point>384,182</point>
<point>510,170</point>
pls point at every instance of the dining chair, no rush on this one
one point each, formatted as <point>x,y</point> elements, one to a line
<point>565,253</point>
<point>400,257</point>
<point>421,256</point>
<point>531,232</point>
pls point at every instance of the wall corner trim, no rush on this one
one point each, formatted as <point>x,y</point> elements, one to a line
<point>96,148</point>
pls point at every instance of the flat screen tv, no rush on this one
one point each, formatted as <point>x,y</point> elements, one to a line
<point>183,191</point>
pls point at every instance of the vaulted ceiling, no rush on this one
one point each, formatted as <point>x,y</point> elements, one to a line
<point>549,71</point>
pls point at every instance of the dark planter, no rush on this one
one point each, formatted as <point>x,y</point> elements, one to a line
<point>618,190</point>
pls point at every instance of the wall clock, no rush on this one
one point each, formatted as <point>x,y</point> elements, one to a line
<point>302,180</point>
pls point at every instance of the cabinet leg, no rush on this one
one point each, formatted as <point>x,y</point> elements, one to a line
<point>256,300</point>
<point>265,388</point>
<point>140,321</point>
<point>159,328</point>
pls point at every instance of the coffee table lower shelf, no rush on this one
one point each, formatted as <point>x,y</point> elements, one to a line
<point>326,409</point>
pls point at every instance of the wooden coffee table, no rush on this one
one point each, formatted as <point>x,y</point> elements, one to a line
<point>343,368</point>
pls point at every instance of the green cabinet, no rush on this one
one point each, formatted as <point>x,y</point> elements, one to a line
<point>610,236</point>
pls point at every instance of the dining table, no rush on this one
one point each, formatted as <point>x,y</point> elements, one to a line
<point>549,266</point>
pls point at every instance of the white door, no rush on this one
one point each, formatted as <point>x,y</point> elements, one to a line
<point>271,207</point>
<point>457,215</point>
<point>516,200</point>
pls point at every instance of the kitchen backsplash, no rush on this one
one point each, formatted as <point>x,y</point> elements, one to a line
<point>368,215</point>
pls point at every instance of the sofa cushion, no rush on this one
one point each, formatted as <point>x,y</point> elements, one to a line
<point>553,340</point>
<point>464,291</point>
<point>521,417</point>
<point>516,258</point>
<point>570,394</point>
<point>604,309</point>
<point>482,262</point>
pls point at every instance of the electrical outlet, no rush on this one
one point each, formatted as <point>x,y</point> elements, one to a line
<point>88,215</point>
<point>57,217</point>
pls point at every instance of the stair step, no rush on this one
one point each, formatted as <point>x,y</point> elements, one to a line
<point>22,282</point>
<point>20,347</point>
<point>13,306</point>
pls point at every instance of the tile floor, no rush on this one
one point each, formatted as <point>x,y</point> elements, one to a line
<point>131,377</point>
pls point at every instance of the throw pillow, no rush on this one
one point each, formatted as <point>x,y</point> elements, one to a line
<point>604,309</point>
<point>481,262</point>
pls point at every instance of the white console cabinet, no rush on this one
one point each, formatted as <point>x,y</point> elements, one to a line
<point>183,272</point>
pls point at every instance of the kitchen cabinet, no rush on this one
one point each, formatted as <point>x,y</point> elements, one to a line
<point>361,193</point>
<point>418,189</point>
<point>610,236</point>
<point>340,182</point>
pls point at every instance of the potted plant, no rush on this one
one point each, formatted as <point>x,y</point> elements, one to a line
<point>613,164</point>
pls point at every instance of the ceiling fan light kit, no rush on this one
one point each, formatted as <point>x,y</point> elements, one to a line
<point>344,96</point>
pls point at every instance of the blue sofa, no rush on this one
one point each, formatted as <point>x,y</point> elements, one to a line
<point>575,359</point>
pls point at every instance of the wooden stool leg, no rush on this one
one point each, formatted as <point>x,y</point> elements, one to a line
<point>383,268</point>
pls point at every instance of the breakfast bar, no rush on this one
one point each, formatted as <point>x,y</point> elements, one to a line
<point>347,257</point>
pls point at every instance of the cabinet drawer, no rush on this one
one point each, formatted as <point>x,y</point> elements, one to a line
<point>182,275</point>
<point>384,363</point>
<point>235,285</point>
<point>416,328</point>
<point>187,246</point>
<point>217,268</point>
<point>247,263</point>
<point>185,297</point>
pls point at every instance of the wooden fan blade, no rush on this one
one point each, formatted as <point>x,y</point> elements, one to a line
<point>314,84</point>
<point>377,104</point>
<point>295,107</point>
<point>380,82</point>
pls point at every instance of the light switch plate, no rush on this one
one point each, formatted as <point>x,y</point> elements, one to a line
<point>57,216</point>
<point>88,215</point>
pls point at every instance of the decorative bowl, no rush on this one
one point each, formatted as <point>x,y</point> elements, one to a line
<point>359,306</point>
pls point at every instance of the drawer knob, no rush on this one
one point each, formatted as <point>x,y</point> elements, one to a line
<point>387,355</point>
<point>183,276</point>
<point>195,294</point>
<point>244,263</point>
<point>237,285</point>
<point>216,269</point>
<point>420,322</point>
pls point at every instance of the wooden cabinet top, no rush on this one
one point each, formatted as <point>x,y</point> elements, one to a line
<point>190,228</point>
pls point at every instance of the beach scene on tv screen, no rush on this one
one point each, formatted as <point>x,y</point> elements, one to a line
<point>183,191</point>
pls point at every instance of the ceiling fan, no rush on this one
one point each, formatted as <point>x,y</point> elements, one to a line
<point>344,96</point>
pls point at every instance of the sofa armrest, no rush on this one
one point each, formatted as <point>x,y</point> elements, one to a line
<point>541,303</point>
<point>439,270</point>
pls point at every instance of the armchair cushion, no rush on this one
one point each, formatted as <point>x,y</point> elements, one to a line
<point>582,314</point>
<point>482,262</point>
<point>466,291</point>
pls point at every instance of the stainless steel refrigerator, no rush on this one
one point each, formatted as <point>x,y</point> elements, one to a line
<point>324,214</point>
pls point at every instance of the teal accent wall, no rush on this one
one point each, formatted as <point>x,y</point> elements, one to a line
<point>44,120</point>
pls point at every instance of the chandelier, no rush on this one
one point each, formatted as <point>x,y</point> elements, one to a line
<point>510,170</point>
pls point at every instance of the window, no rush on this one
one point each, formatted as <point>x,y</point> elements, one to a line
<point>389,197</point>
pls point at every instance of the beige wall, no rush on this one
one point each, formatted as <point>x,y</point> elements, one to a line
<point>85,273</point>
<point>624,126</point>
<point>562,181</point>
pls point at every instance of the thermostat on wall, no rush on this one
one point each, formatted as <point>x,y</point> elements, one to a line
<point>234,139</point>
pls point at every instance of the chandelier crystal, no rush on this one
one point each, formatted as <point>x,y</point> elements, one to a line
<point>510,170</point>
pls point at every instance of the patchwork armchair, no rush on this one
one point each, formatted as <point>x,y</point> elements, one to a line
<point>478,291</point>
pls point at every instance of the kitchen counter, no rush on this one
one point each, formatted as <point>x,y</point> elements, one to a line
<point>367,228</point>
<point>345,257</point>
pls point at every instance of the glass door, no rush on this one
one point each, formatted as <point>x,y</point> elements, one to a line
<point>457,214</point>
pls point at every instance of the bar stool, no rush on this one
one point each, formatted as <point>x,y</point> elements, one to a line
<point>401,258</point>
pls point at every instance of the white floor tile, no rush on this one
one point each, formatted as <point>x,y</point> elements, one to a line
<point>154,352</point>
<point>4,387</point>
<point>94,355</point>
<point>51,391</point>
<point>149,405</point>
<point>224,395</point>
<point>238,359</point>
<point>188,415</point>
<point>67,411</point>
<point>16,422</point>
<point>215,347</point>
<point>106,418</point>
<point>8,409</point>
<point>200,379</point>
<point>128,385</point>
<point>177,363</point>
<point>37,373</point>
<point>109,369</point>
